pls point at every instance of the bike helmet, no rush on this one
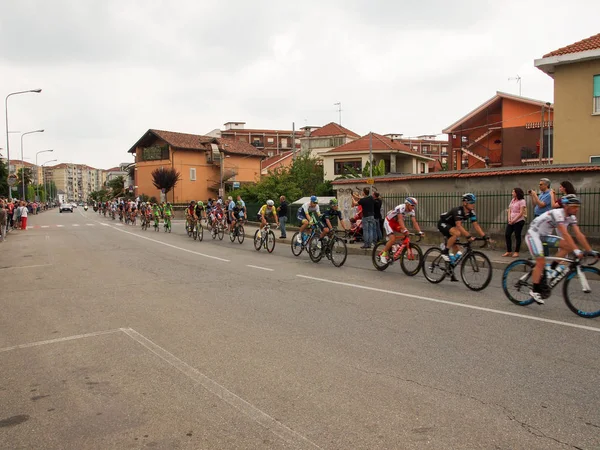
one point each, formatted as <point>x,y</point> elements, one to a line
<point>411,201</point>
<point>200,203</point>
<point>570,199</point>
<point>314,199</point>
<point>469,198</point>
<point>239,203</point>
<point>168,204</point>
<point>270,202</point>
<point>333,202</point>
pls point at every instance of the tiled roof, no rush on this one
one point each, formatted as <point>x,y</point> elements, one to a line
<point>238,147</point>
<point>591,43</point>
<point>333,129</point>
<point>379,143</point>
<point>18,162</point>
<point>258,131</point>
<point>113,169</point>
<point>484,173</point>
<point>183,140</point>
<point>266,163</point>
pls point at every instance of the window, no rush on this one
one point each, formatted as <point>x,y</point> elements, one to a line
<point>284,143</point>
<point>192,174</point>
<point>595,159</point>
<point>270,140</point>
<point>415,148</point>
<point>344,167</point>
<point>596,94</point>
<point>423,168</point>
<point>425,149</point>
<point>444,150</point>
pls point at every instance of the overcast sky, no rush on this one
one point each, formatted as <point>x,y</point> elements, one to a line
<point>111,69</point>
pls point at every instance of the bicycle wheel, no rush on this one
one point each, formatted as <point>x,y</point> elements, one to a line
<point>188,228</point>
<point>270,243</point>
<point>338,251</point>
<point>200,232</point>
<point>257,240</point>
<point>411,260</point>
<point>376,257</point>
<point>476,271</point>
<point>240,234</point>
<point>232,235</point>
<point>221,232</point>
<point>195,232</point>
<point>584,303</point>
<point>434,266</point>
<point>296,246</point>
<point>516,282</point>
<point>314,251</point>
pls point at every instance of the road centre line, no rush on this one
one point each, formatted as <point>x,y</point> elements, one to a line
<point>258,267</point>
<point>25,267</point>
<point>168,245</point>
<point>63,339</point>
<point>461,305</point>
<point>274,426</point>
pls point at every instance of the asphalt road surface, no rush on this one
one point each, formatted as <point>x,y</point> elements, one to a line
<point>114,337</point>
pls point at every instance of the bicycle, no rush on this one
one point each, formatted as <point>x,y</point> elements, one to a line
<point>145,222</point>
<point>198,230</point>
<point>238,231</point>
<point>167,224</point>
<point>517,275</point>
<point>217,229</point>
<point>297,247</point>
<point>133,219</point>
<point>332,247</point>
<point>406,252</point>
<point>266,239</point>
<point>472,262</point>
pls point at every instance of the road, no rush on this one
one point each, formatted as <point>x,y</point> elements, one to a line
<point>111,337</point>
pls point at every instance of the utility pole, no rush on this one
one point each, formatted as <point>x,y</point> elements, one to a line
<point>548,104</point>
<point>339,105</point>
<point>542,135</point>
<point>371,160</point>
<point>518,80</point>
<point>293,141</point>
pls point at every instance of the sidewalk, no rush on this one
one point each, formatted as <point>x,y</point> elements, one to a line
<point>498,262</point>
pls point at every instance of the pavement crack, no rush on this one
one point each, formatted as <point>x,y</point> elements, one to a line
<point>509,414</point>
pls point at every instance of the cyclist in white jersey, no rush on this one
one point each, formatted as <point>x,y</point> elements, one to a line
<point>395,222</point>
<point>540,231</point>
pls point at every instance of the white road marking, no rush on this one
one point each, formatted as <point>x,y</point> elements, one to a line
<point>258,267</point>
<point>30,228</point>
<point>75,224</point>
<point>105,224</point>
<point>60,226</point>
<point>169,245</point>
<point>274,426</point>
<point>45,226</point>
<point>53,341</point>
<point>90,224</point>
<point>462,305</point>
<point>25,267</point>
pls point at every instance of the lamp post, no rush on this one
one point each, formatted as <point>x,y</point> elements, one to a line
<point>44,177</point>
<point>37,91</point>
<point>37,184</point>
<point>23,169</point>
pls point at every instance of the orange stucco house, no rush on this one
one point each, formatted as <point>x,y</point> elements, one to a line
<point>205,163</point>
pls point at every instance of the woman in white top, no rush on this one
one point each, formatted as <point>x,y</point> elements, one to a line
<point>516,221</point>
<point>24,213</point>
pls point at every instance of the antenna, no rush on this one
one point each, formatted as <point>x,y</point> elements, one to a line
<point>339,105</point>
<point>518,80</point>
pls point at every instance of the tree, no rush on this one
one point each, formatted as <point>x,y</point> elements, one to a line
<point>100,196</point>
<point>3,178</point>
<point>117,186</point>
<point>165,179</point>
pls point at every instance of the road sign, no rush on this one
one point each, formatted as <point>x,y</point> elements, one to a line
<point>12,179</point>
<point>236,184</point>
<point>370,181</point>
<point>163,190</point>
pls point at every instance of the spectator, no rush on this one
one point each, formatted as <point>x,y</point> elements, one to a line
<point>367,203</point>
<point>239,199</point>
<point>282,214</point>
<point>544,200</point>
<point>565,188</point>
<point>3,216</point>
<point>17,214</point>
<point>516,221</point>
<point>24,213</point>
<point>11,209</point>
<point>378,217</point>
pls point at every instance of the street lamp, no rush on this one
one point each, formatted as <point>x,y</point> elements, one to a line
<point>44,176</point>
<point>23,169</point>
<point>37,181</point>
<point>37,91</point>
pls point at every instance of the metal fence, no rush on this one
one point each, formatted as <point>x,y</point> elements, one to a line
<point>491,208</point>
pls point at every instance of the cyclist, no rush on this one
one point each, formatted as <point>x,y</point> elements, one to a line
<point>200,210</point>
<point>238,213</point>
<point>325,219</point>
<point>156,213</point>
<point>167,213</point>
<point>395,223</point>
<point>190,215</point>
<point>268,213</point>
<point>450,225</point>
<point>540,231</point>
<point>230,213</point>
<point>308,212</point>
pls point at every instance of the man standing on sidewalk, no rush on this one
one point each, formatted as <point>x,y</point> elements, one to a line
<point>378,218</point>
<point>282,214</point>
<point>368,218</point>
<point>3,217</point>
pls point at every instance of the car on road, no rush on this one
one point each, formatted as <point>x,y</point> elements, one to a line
<point>74,205</point>
<point>65,207</point>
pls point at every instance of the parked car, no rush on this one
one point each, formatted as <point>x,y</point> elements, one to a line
<point>65,207</point>
<point>74,205</point>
